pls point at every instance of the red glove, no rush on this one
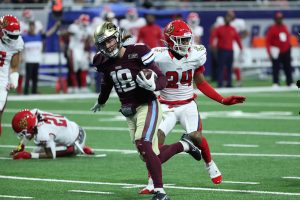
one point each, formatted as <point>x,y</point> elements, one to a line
<point>19,148</point>
<point>22,155</point>
<point>233,100</point>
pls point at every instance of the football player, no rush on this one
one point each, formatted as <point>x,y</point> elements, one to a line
<point>79,53</point>
<point>54,135</point>
<point>193,20</point>
<point>11,45</point>
<point>132,23</point>
<point>122,68</point>
<point>182,62</point>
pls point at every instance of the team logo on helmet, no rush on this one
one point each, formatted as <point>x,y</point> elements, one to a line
<point>4,23</point>
<point>110,26</point>
<point>23,123</point>
<point>170,29</point>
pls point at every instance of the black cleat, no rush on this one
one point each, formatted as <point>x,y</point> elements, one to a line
<point>160,196</point>
<point>194,151</point>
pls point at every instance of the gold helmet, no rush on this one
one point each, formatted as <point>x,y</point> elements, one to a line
<point>105,32</point>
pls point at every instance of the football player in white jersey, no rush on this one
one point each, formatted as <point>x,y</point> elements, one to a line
<point>183,64</point>
<point>79,52</point>
<point>132,23</point>
<point>11,44</point>
<point>54,135</point>
<point>193,20</point>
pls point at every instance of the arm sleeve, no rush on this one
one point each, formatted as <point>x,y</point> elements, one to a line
<point>106,87</point>
<point>268,41</point>
<point>238,40</point>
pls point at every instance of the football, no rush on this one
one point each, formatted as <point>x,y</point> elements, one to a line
<point>148,73</point>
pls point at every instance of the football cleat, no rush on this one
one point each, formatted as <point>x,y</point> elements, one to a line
<point>193,150</point>
<point>160,196</point>
<point>149,189</point>
<point>214,172</point>
<point>88,150</point>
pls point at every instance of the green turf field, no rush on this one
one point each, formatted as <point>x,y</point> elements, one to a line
<point>255,145</point>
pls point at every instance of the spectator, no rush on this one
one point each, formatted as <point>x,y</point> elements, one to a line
<point>27,17</point>
<point>33,54</point>
<point>193,21</point>
<point>279,49</point>
<point>132,23</point>
<point>155,38</point>
<point>223,38</point>
<point>240,26</point>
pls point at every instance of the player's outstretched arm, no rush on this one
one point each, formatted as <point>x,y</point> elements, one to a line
<point>210,92</point>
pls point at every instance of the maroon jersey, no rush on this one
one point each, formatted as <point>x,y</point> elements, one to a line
<point>121,73</point>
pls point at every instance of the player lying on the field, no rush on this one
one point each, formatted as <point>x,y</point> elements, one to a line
<point>54,135</point>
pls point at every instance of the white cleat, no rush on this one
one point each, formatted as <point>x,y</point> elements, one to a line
<point>214,172</point>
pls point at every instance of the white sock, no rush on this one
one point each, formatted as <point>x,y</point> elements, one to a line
<point>160,190</point>
<point>186,147</point>
<point>150,181</point>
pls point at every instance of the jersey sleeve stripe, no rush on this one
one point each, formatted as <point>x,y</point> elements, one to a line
<point>149,55</point>
<point>149,60</point>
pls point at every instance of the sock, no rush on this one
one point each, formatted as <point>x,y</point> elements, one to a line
<point>20,81</point>
<point>185,146</point>
<point>152,162</point>
<point>83,75</point>
<point>170,151</point>
<point>237,72</point>
<point>205,150</point>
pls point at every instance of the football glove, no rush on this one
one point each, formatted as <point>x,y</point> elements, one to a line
<point>148,84</point>
<point>22,155</point>
<point>233,100</point>
<point>97,107</point>
<point>19,148</point>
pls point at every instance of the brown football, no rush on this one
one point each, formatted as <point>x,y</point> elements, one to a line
<point>147,73</point>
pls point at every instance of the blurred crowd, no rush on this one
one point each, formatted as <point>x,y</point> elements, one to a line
<point>76,42</point>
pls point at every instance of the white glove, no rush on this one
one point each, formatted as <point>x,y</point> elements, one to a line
<point>148,84</point>
<point>97,107</point>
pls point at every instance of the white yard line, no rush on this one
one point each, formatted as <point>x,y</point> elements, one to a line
<point>171,187</point>
<point>127,151</point>
<point>239,182</point>
<point>218,132</point>
<point>241,145</point>
<point>288,142</point>
<point>90,192</point>
<point>14,197</point>
<point>291,177</point>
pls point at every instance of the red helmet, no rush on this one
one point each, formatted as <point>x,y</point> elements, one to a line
<point>178,36</point>
<point>193,19</point>
<point>10,27</point>
<point>27,15</point>
<point>24,123</point>
<point>84,19</point>
<point>131,14</point>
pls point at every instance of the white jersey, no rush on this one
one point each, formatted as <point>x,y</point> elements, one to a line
<point>238,23</point>
<point>197,32</point>
<point>133,27</point>
<point>6,54</point>
<point>179,73</point>
<point>79,36</point>
<point>25,26</point>
<point>65,132</point>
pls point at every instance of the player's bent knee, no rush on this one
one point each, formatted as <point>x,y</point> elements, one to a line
<point>196,137</point>
<point>144,148</point>
<point>161,137</point>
